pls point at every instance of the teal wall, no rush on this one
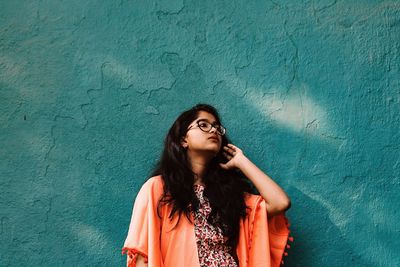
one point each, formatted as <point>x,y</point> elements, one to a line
<point>308,89</point>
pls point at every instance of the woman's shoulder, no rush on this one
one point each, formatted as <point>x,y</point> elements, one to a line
<point>154,185</point>
<point>154,182</point>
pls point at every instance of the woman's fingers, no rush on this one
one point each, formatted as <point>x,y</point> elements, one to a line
<point>233,149</point>
<point>229,149</point>
<point>223,166</point>
<point>227,155</point>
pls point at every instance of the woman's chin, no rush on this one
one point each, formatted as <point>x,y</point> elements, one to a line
<point>212,151</point>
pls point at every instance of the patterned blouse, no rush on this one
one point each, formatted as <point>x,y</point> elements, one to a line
<point>211,243</point>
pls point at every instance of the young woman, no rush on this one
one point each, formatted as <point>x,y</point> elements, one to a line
<point>198,208</point>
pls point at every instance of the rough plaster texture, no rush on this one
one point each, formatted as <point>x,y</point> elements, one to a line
<point>308,89</point>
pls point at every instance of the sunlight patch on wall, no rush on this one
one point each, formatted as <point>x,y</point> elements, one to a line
<point>125,74</point>
<point>337,217</point>
<point>10,69</point>
<point>296,110</point>
<point>90,237</point>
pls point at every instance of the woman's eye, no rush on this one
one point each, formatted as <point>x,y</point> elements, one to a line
<point>203,124</point>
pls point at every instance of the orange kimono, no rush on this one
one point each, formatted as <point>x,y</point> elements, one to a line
<point>262,240</point>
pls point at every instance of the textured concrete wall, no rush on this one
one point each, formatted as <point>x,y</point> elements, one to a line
<point>308,89</point>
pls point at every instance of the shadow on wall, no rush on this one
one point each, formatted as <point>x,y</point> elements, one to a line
<point>310,241</point>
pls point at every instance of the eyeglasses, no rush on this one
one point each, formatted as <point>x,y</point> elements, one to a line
<point>205,126</point>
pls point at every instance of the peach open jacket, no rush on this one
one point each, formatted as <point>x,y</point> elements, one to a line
<point>262,240</point>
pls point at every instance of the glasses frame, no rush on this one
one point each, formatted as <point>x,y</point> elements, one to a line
<point>221,130</point>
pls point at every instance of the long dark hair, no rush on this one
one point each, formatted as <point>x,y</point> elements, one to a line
<point>224,188</point>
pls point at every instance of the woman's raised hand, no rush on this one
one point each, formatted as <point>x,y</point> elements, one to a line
<point>234,155</point>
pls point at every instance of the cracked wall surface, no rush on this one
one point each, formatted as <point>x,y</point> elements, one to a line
<point>309,90</point>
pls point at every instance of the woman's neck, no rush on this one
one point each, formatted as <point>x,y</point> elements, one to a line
<point>198,168</point>
<point>199,161</point>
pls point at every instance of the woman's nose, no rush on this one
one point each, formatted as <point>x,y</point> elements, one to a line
<point>213,129</point>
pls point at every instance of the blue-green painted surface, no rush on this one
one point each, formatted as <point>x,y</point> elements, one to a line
<point>308,89</point>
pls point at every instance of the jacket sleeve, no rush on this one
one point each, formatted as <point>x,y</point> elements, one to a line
<point>279,237</point>
<point>144,230</point>
<point>267,234</point>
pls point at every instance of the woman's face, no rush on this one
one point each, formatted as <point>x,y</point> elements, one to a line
<point>198,141</point>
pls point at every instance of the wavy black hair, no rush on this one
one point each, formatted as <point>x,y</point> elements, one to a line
<point>224,189</point>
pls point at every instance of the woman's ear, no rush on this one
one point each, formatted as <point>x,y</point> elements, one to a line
<point>184,142</point>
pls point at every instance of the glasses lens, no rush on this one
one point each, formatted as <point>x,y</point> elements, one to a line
<point>204,125</point>
<point>221,130</point>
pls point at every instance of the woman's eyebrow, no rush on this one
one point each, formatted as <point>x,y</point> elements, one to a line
<point>204,119</point>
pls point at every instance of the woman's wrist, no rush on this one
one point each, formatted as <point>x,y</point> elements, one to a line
<point>243,163</point>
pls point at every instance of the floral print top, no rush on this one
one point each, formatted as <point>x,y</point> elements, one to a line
<point>211,244</point>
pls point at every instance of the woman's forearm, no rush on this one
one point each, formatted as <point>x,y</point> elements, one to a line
<point>277,200</point>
